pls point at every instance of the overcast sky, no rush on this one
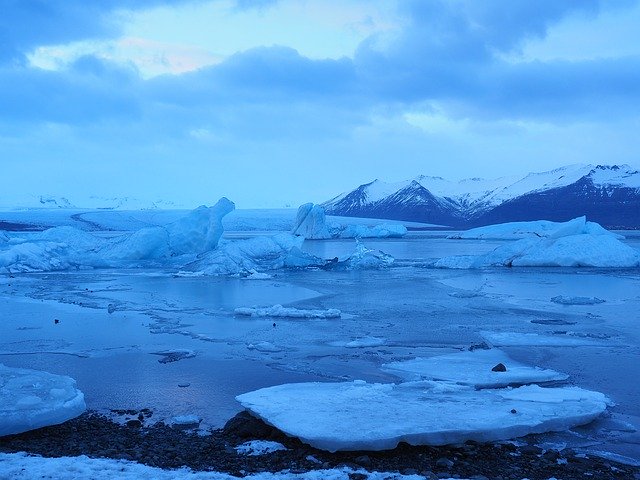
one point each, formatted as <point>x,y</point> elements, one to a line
<point>276,102</point>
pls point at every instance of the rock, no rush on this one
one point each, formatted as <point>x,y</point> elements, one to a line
<point>530,450</point>
<point>499,368</point>
<point>363,460</point>
<point>479,346</point>
<point>244,425</point>
<point>134,423</point>
<point>111,308</point>
<point>444,462</point>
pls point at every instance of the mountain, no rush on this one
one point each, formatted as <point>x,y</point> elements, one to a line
<point>609,195</point>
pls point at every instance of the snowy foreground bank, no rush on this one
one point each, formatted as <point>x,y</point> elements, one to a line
<point>576,243</point>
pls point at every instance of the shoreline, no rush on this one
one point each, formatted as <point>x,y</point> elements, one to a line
<point>170,447</point>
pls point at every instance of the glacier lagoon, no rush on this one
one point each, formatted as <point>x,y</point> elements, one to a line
<point>119,330</point>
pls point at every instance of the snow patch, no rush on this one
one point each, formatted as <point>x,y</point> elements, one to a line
<point>259,447</point>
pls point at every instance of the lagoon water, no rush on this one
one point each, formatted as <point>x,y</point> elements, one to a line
<point>410,309</point>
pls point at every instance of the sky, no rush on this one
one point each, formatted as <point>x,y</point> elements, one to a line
<point>275,103</point>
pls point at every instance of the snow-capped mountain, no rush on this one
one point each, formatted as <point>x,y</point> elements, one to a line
<point>609,195</point>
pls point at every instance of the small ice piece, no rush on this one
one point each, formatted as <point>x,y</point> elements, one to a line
<point>169,356</point>
<point>280,311</point>
<point>364,342</point>
<point>185,420</point>
<point>366,259</point>
<point>363,416</point>
<point>31,399</point>
<point>565,300</point>
<point>472,368</point>
<point>255,275</point>
<point>576,243</point>
<point>384,230</point>
<point>259,447</point>
<point>266,347</point>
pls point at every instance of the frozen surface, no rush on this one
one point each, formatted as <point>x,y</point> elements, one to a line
<point>572,244</point>
<point>280,311</point>
<point>565,300</point>
<point>31,399</point>
<point>21,465</point>
<point>519,230</point>
<point>473,368</point>
<point>365,416</point>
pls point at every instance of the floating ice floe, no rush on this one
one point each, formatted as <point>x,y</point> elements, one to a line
<point>519,230</point>
<point>366,259</point>
<point>363,416</point>
<point>259,447</point>
<point>576,243</point>
<point>311,223</point>
<point>63,248</point>
<point>364,342</point>
<point>31,399</point>
<point>280,311</point>
<point>185,420</point>
<point>23,465</point>
<point>516,339</point>
<point>169,356</point>
<point>564,300</point>
<point>266,347</point>
<point>474,368</point>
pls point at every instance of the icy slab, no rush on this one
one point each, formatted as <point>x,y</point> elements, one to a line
<point>515,339</point>
<point>258,254</point>
<point>474,368</point>
<point>31,399</point>
<point>366,259</point>
<point>311,223</point>
<point>280,311</point>
<point>564,300</point>
<point>15,465</point>
<point>363,416</point>
<point>259,447</point>
<point>572,244</point>
<point>519,230</point>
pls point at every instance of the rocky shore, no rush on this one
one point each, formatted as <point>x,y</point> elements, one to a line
<point>138,439</point>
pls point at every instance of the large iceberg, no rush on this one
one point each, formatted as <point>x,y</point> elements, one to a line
<point>311,223</point>
<point>31,399</point>
<point>519,230</point>
<point>576,243</point>
<point>475,368</point>
<point>364,416</point>
<point>63,248</point>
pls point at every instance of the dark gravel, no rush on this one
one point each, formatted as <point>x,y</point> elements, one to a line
<point>169,447</point>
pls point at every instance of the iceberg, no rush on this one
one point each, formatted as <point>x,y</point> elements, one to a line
<point>371,416</point>
<point>366,259</point>
<point>258,254</point>
<point>63,248</point>
<point>519,230</point>
<point>473,368</point>
<point>31,399</point>
<point>311,223</point>
<point>576,243</point>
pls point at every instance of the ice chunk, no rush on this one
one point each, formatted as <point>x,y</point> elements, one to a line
<point>3,237</point>
<point>200,230</point>
<point>256,254</point>
<point>266,347</point>
<point>311,222</point>
<point>535,229</point>
<point>31,399</point>
<point>185,420</point>
<point>563,300</point>
<point>515,339</point>
<point>364,416</point>
<point>473,368</point>
<point>364,342</point>
<point>280,311</point>
<point>259,447</point>
<point>366,259</point>
<point>576,243</point>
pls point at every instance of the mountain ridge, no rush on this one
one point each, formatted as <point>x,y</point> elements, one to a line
<point>607,194</point>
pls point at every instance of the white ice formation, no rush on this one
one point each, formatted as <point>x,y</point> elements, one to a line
<point>280,311</point>
<point>473,368</point>
<point>311,223</point>
<point>367,259</point>
<point>576,243</point>
<point>364,416</point>
<point>259,447</point>
<point>31,399</point>
<point>519,230</point>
